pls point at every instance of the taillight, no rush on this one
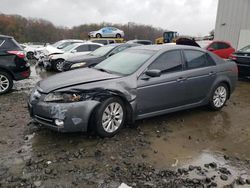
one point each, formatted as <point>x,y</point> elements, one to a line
<point>19,54</point>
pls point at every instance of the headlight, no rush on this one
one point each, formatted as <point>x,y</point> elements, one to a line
<point>78,65</point>
<point>63,97</point>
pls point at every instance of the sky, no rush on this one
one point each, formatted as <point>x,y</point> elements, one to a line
<point>188,17</point>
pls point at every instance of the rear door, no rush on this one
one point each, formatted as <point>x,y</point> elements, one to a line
<point>200,73</point>
<point>167,91</point>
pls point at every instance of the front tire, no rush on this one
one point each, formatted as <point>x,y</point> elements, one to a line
<point>98,35</point>
<point>219,97</point>
<point>109,118</point>
<point>57,66</point>
<point>6,82</point>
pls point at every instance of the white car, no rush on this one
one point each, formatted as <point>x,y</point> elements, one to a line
<point>41,53</point>
<point>55,60</point>
<point>107,32</point>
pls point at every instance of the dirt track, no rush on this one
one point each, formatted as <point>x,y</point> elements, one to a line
<point>193,148</point>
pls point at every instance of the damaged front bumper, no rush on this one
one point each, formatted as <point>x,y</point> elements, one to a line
<point>62,117</point>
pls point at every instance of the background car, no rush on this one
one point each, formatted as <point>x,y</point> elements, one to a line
<point>137,83</point>
<point>30,49</point>
<point>242,58</point>
<point>104,41</point>
<point>57,47</point>
<point>55,61</point>
<point>94,57</point>
<point>13,64</point>
<point>107,32</point>
<point>143,42</point>
<point>221,48</point>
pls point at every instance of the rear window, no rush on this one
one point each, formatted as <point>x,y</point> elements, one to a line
<point>219,45</point>
<point>9,44</point>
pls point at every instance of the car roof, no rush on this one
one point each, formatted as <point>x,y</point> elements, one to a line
<point>166,47</point>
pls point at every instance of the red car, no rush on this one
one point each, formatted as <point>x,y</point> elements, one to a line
<point>221,48</point>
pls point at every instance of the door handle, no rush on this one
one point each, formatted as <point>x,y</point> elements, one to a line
<point>181,79</point>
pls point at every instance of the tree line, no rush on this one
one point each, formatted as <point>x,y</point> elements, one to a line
<point>40,30</point>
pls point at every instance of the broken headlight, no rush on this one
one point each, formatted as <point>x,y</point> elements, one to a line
<point>76,65</point>
<point>64,97</point>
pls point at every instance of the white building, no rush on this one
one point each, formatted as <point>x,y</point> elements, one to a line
<point>233,22</point>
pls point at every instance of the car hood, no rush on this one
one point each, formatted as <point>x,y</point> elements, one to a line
<point>73,78</point>
<point>80,58</point>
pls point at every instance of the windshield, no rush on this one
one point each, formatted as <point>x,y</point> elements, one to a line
<point>69,47</point>
<point>102,50</point>
<point>56,44</point>
<point>245,49</point>
<point>126,62</point>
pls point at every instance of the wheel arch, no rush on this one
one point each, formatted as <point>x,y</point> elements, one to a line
<point>108,94</point>
<point>7,71</point>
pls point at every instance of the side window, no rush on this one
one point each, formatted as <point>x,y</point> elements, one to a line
<point>82,48</point>
<point>168,62</point>
<point>195,59</point>
<point>210,60</point>
<point>93,47</point>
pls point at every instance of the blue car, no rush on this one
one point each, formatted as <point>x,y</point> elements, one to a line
<point>107,32</point>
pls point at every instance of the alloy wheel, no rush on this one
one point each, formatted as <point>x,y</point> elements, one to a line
<point>220,96</point>
<point>4,83</point>
<point>112,117</point>
<point>59,65</point>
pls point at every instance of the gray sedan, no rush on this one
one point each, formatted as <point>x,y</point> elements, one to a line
<point>137,83</point>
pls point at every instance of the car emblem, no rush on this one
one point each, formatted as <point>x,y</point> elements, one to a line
<point>245,54</point>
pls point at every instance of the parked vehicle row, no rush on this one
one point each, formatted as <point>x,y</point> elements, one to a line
<point>136,83</point>
<point>94,57</point>
<point>54,61</point>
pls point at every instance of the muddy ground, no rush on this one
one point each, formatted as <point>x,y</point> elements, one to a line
<point>193,148</point>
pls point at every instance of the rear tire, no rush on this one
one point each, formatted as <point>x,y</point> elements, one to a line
<point>98,35</point>
<point>6,82</point>
<point>219,97</point>
<point>109,117</point>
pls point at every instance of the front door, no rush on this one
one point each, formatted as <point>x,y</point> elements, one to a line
<point>163,92</point>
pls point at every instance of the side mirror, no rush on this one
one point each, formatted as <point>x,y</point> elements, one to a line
<point>73,51</point>
<point>153,73</point>
<point>210,49</point>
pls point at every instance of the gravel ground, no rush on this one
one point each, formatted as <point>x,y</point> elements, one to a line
<point>193,148</point>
